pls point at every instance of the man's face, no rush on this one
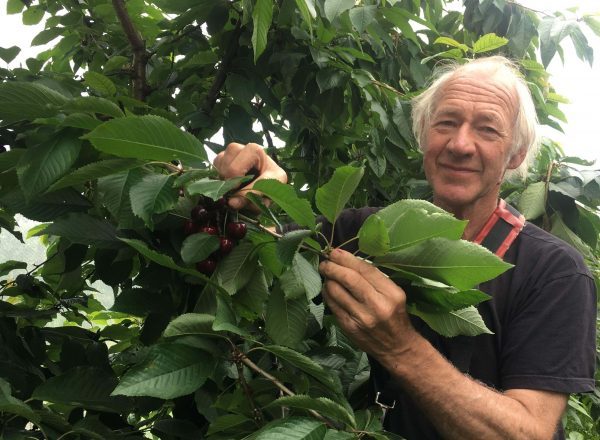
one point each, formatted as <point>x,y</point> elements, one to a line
<point>469,142</point>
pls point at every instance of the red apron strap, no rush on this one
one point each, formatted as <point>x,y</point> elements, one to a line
<point>501,229</point>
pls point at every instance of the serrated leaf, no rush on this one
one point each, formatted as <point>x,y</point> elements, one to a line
<point>235,270</point>
<point>88,387</point>
<point>147,137</point>
<point>289,243</point>
<point>27,101</point>
<point>301,279</point>
<point>373,237</point>
<point>154,194</point>
<point>93,171</point>
<point>305,364</point>
<point>12,405</point>
<point>198,247</point>
<point>451,42</point>
<point>47,207</point>
<point>14,6</point>
<point>113,191</point>
<point>262,15</point>
<point>562,231</point>
<point>456,262</point>
<point>10,159</point>
<point>489,42</point>
<point>292,428</point>
<point>333,8</point>
<point>532,202</point>
<point>324,406</point>
<point>80,120</point>
<point>213,188</point>
<point>284,195</point>
<point>466,322</point>
<point>190,324</point>
<point>286,320</point>
<point>93,104</point>
<point>443,300</point>
<point>332,197</point>
<point>83,228</point>
<point>227,422</point>
<point>167,372</point>
<point>99,83</point>
<point>308,12</point>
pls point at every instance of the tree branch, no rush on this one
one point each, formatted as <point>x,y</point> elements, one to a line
<point>140,56</point>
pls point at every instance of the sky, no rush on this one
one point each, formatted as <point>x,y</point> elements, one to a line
<point>574,79</point>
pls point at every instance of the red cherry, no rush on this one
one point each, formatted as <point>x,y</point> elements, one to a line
<point>236,230</point>
<point>199,214</point>
<point>189,227</point>
<point>207,267</point>
<point>226,246</point>
<point>207,229</point>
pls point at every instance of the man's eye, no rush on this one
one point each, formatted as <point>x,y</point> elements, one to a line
<point>491,130</point>
<point>445,123</point>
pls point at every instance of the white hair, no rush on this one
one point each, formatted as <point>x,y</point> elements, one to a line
<point>496,68</point>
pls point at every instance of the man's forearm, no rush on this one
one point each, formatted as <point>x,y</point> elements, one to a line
<point>461,408</point>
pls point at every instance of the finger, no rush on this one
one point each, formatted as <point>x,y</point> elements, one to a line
<point>243,160</point>
<point>341,303</point>
<point>372,274</point>
<point>349,279</point>
<point>223,160</point>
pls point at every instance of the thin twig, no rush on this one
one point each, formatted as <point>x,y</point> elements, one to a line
<point>140,56</point>
<point>256,412</point>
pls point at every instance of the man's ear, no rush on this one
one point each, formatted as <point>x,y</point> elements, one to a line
<point>517,159</point>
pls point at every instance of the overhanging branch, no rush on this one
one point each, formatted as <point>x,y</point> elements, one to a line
<point>140,57</point>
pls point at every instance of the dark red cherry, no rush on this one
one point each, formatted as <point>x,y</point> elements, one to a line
<point>236,230</point>
<point>207,267</point>
<point>200,214</point>
<point>208,229</point>
<point>226,246</point>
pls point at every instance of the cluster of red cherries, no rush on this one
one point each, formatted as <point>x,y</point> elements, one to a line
<point>210,217</point>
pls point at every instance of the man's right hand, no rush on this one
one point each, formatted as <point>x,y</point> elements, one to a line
<point>237,160</point>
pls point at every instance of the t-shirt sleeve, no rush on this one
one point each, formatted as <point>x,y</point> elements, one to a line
<point>549,343</point>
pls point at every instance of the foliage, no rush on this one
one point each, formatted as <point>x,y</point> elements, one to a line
<point>108,131</point>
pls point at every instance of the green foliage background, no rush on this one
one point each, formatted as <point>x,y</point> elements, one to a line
<point>93,125</point>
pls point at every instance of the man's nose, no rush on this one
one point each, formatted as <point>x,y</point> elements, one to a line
<point>462,142</point>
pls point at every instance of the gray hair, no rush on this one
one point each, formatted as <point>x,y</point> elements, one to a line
<point>525,130</point>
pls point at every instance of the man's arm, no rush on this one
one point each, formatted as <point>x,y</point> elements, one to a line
<point>371,309</point>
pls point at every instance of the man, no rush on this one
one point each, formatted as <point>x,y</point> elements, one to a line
<point>473,124</point>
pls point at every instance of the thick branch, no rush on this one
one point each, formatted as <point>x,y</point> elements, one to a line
<point>140,57</point>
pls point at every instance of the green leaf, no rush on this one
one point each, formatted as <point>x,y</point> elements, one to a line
<point>451,42</point>
<point>289,243</point>
<point>456,262</point>
<point>167,372</point>
<point>47,35</point>
<point>332,197</point>
<point>154,194</point>
<point>147,137</point>
<point>83,228</point>
<point>592,23</point>
<point>286,320</point>
<point>21,101</point>
<point>94,171</point>
<point>93,104</point>
<point>284,195</point>
<point>198,247</point>
<point>466,322</point>
<point>190,324</point>
<point>12,405</point>
<point>262,15</point>
<point>488,43</point>
<point>411,221</point>
<point>324,406</point>
<point>7,54</point>
<point>292,428</point>
<point>235,270</point>
<point>227,422</point>
<point>307,11</point>
<point>99,83</point>
<point>444,300</point>
<point>33,15</point>
<point>10,265</point>
<point>215,189</point>
<point>305,364</point>
<point>362,16</point>
<point>113,191</point>
<point>333,8</point>
<point>10,159</point>
<point>532,202</point>
<point>88,387</point>
<point>14,6</point>
<point>301,279</point>
<point>562,231</point>
<point>373,237</point>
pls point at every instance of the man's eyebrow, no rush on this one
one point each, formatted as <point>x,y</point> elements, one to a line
<point>448,111</point>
